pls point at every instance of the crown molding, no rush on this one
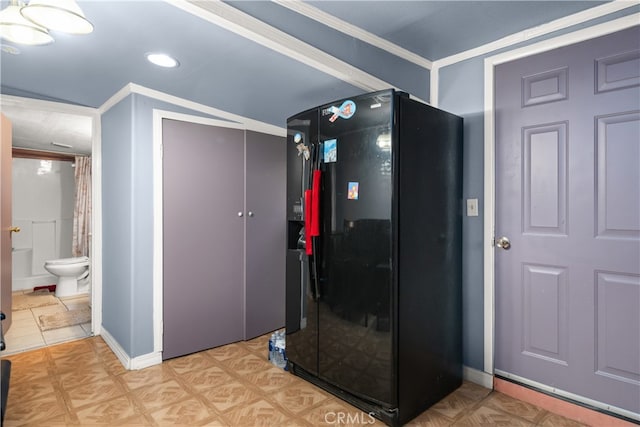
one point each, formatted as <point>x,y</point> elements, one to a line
<point>344,27</point>
<point>232,19</point>
<point>541,30</point>
<point>244,122</point>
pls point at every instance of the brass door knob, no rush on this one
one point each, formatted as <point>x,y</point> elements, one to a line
<point>14,229</point>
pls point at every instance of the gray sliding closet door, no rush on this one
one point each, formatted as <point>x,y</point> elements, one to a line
<point>265,249</point>
<point>203,180</point>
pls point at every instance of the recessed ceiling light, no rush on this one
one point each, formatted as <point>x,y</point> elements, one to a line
<point>162,60</point>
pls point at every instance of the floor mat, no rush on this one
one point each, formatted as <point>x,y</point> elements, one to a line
<point>32,300</point>
<point>63,319</point>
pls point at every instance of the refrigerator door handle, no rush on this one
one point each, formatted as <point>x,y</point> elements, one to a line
<point>315,203</point>
<point>314,275</point>
<point>314,216</point>
<point>307,223</point>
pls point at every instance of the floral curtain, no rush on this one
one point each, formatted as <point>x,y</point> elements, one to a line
<point>82,209</point>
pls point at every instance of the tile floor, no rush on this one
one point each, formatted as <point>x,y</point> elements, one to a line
<point>25,334</point>
<point>83,383</point>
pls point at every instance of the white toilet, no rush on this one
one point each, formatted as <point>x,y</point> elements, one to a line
<point>69,271</point>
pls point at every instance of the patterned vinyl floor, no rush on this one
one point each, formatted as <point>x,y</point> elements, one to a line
<point>83,383</point>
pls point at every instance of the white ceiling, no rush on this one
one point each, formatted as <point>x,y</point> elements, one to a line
<point>38,129</point>
<point>264,60</point>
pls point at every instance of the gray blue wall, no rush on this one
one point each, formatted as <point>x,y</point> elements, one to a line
<point>117,227</point>
<point>461,87</point>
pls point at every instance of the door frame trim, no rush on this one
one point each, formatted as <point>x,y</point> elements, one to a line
<point>96,189</point>
<point>489,156</point>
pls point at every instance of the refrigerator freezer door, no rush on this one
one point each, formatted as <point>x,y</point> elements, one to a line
<point>301,312</point>
<point>354,254</point>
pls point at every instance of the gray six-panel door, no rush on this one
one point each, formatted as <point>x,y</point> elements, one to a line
<point>568,199</point>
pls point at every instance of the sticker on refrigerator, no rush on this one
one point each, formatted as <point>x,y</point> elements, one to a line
<point>345,111</point>
<point>352,191</point>
<point>330,154</point>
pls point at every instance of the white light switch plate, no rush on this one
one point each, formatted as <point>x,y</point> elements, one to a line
<point>472,207</point>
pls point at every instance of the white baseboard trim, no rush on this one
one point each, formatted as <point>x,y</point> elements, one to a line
<point>477,377</point>
<point>130,364</point>
<point>122,355</point>
<point>146,360</point>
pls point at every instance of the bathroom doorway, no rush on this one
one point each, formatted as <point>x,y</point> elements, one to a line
<point>50,141</point>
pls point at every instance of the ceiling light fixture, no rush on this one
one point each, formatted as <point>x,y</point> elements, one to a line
<point>16,28</point>
<point>162,60</point>
<point>29,24</point>
<point>59,15</point>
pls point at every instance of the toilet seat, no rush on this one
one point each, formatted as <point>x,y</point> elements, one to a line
<point>64,261</point>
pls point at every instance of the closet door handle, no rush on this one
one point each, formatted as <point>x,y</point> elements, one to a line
<point>240,214</point>
<point>250,214</point>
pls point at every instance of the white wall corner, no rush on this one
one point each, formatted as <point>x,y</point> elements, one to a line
<point>116,98</point>
<point>477,377</point>
<point>434,88</point>
<point>139,362</point>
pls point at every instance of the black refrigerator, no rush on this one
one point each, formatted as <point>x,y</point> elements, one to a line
<point>374,224</point>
